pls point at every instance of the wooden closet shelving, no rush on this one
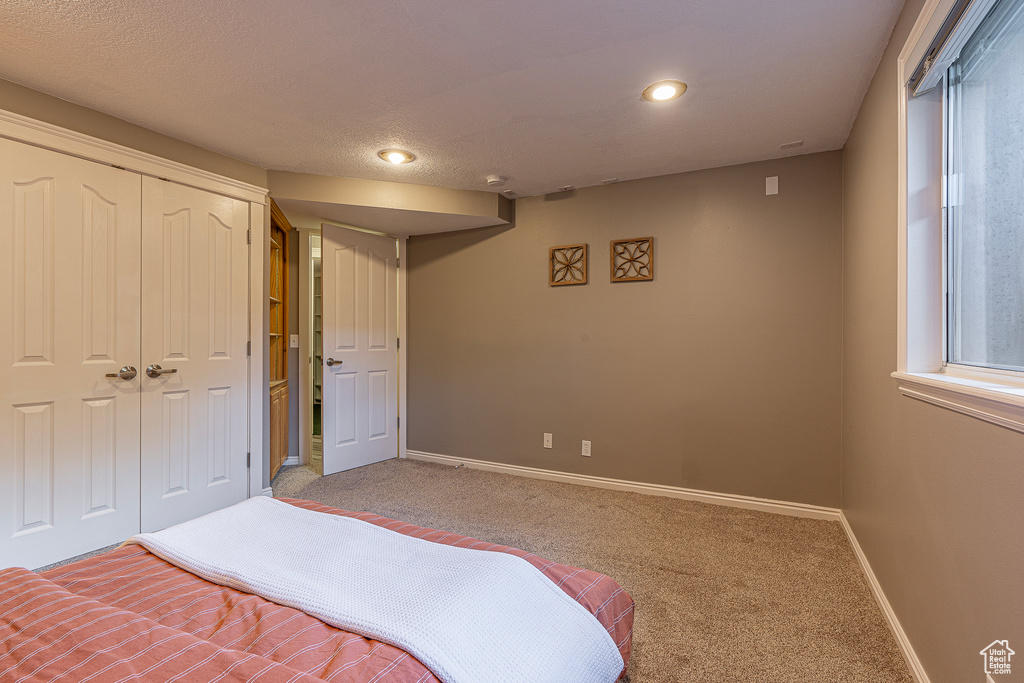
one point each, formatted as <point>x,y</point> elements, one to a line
<point>278,338</point>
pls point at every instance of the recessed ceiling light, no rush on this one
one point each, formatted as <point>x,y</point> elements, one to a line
<point>663,91</point>
<point>396,156</point>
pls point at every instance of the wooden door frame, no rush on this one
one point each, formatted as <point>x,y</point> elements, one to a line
<point>41,134</point>
<point>306,334</point>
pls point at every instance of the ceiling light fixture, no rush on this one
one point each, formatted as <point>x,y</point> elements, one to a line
<point>663,91</point>
<point>396,156</point>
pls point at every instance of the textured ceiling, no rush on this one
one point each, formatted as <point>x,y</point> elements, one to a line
<point>545,92</point>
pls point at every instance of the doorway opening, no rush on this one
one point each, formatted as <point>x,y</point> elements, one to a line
<point>316,327</point>
<point>349,339</point>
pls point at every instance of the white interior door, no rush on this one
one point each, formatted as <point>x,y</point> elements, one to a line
<point>69,315</point>
<point>195,280</point>
<point>360,348</point>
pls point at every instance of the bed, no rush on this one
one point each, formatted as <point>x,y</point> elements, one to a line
<point>127,614</point>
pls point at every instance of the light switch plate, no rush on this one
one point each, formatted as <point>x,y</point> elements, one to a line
<point>293,341</point>
<point>771,185</point>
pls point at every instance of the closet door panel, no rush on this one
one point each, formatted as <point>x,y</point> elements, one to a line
<point>195,322</point>
<point>69,315</point>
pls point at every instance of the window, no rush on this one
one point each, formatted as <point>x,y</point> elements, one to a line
<point>962,209</point>
<point>985,194</point>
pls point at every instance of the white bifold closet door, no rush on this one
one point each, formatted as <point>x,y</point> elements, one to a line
<point>69,315</point>
<point>195,318</point>
<point>101,270</point>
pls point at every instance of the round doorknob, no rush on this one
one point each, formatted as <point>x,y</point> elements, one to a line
<point>331,362</point>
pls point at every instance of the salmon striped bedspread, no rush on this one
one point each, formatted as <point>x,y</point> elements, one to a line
<point>283,641</point>
<point>51,634</point>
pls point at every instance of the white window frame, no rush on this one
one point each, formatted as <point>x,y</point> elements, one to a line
<point>996,396</point>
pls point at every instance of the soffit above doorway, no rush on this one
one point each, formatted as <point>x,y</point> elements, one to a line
<point>393,208</point>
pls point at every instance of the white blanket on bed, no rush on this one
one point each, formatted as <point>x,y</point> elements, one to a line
<point>470,616</point>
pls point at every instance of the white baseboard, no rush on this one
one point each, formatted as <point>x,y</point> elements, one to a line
<point>906,649</point>
<point>268,492</point>
<point>731,500</point>
<point>290,461</point>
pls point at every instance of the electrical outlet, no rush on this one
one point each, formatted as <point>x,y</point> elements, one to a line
<point>586,448</point>
<point>547,440</point>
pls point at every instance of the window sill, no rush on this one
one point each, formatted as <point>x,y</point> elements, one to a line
<point>1000,404</point>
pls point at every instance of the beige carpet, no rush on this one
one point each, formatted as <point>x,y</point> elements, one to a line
<point>722,594</point>
<point>76,558</point>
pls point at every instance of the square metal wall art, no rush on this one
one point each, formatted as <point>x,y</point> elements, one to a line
<point>632,259</point>
<point>568,265</point>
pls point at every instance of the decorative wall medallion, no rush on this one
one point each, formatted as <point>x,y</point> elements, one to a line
<point>568,265</point>
<point>632,259</point>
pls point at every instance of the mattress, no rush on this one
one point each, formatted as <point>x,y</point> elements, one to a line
<point>282,640</point>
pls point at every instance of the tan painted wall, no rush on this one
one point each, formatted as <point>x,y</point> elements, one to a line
<point>32,103</point>
<point>935,498</point>
<point>722,374</point>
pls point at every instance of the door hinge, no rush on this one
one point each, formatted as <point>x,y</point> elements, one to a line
<point>248,236</point>
<point>399,421</point>
<point>398,263</point>
<point>248,348</point>
<point>248,459</point>
<point>119,167</point>
<point>399,342</point>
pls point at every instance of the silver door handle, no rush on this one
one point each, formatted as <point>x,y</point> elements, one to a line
<point>331,362</point>
<point>155,371</point>
<point>127,372</point>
